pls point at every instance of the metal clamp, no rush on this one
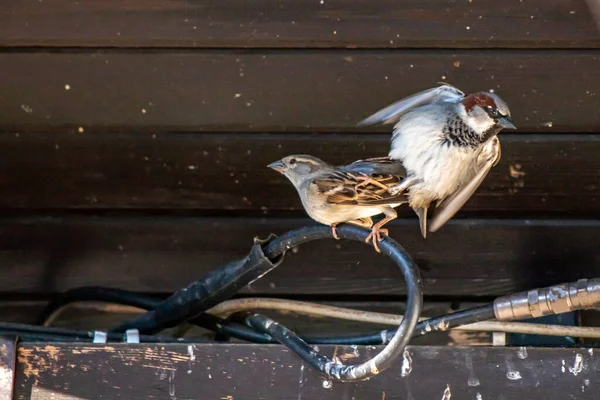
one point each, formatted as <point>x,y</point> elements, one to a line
<point>557,299</point>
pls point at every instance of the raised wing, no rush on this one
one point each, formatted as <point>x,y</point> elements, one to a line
<point>376,166</point>
<point>349,186</point>
<point>393,112</point>
<point>446,209</point>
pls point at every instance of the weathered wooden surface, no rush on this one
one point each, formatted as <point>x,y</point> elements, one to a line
<point>160,254</point>
<point>272,372</point>
<point>307,23</point>
<point>273,90</point>
<point>539,175</point>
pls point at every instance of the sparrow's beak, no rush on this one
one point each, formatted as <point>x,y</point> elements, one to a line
<point>506,123</point>
<point>277,166</point>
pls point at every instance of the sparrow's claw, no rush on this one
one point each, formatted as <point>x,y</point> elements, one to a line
<point>383,232</point>
<point>376,236</point>
<point>334,232</point>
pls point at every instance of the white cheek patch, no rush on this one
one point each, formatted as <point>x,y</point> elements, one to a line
<point>477,119</point>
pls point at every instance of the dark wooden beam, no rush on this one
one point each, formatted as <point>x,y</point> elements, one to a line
<point>274,90</point>
<point>539,175</point>
<point>307,23</point>
<point>168,371</point>
<point>160,254</point>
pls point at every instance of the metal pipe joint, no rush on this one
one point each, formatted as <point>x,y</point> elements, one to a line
<point>556,299</point>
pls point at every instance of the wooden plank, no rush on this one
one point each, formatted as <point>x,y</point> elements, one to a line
<point>270,90</point>
<point>272,372</point>
<point>539,175</point>
<point>305,23</point>
<point>160,254</point>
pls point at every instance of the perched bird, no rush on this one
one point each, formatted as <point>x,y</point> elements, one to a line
<point>352,193</point>
<point>447,142</point>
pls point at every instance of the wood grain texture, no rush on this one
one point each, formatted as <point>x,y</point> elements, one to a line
<point>305,23</point>
<point>272,372</point>
<point>225,90</point>
<point>160,254</point>
<point>539,175</point>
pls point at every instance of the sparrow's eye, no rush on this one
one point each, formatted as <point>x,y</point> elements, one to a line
<point>493,112</point>
<point>292,161</point>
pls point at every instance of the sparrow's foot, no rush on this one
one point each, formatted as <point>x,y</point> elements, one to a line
<point>376,236</point>
<point>334,232</point>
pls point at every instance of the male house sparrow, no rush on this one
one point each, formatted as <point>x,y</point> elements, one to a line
<point>447,143</point>
<point>352,193</point>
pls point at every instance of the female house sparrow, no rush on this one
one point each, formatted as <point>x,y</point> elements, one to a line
<point>352,193</point>
<point>447,142</point>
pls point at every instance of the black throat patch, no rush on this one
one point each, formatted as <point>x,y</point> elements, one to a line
<point>457,133</point>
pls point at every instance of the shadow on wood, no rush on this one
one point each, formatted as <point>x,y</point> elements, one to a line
<point>538,175</point>
<point>161,254</point>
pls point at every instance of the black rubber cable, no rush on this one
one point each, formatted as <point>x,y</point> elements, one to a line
<point>221,284</point>
<point>217,286</point>
<point>332,368</point>
<point>224,282</point>
<point>236,330</point>
<point>185,303</point>
<point>139,300</point>
<point>83,335</point>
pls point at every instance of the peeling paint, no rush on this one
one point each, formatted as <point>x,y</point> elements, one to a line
<point>406,364</point>
<point>522,353</point>
<point>513,375</point>
<point>447,393</point>
<point>190,350</point>
<point>577,365</point>
<point>6,377</point>
<point>172,384</point>
<point>473,381</point>
<point>478,396</point>
<point>300,382</point>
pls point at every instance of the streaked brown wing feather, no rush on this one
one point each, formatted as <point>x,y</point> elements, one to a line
<point>337,187</point>
<point>349,188</point>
